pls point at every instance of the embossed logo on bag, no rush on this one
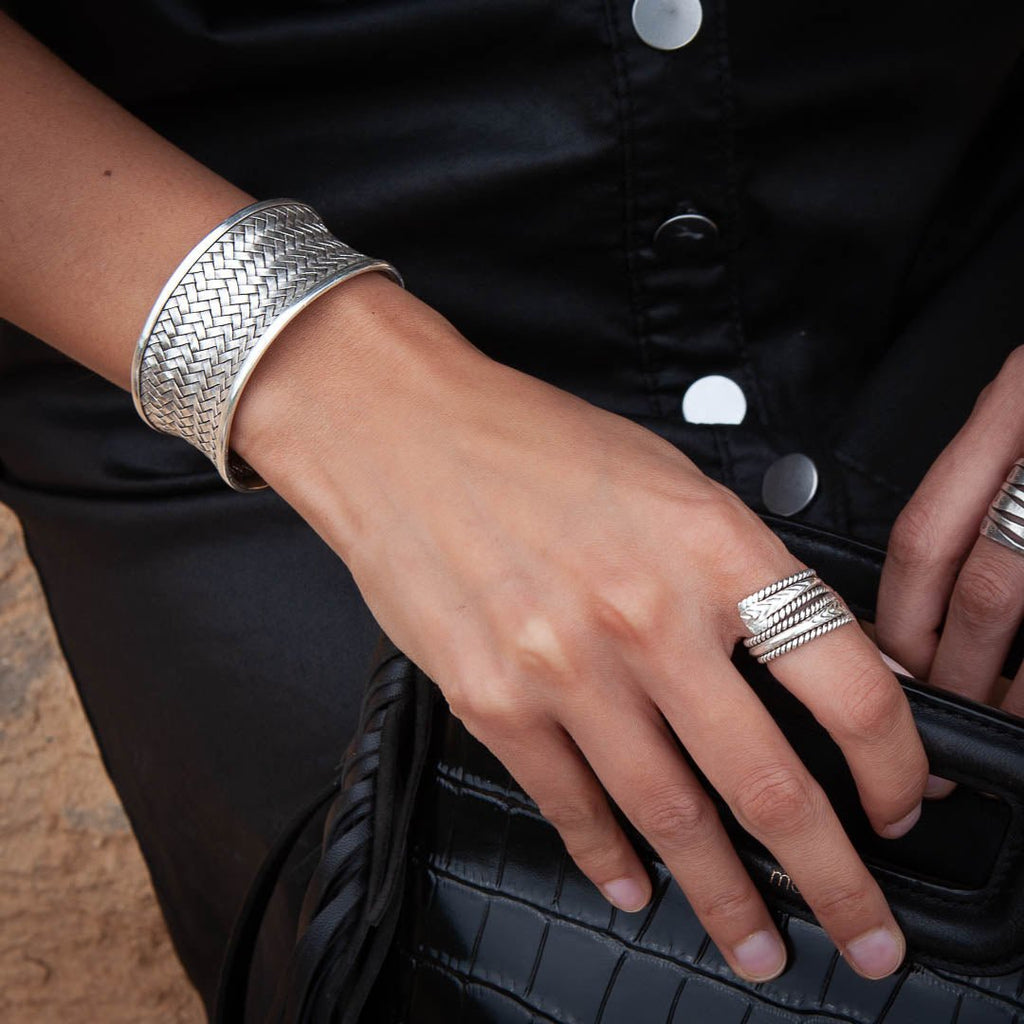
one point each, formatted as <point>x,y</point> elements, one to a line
<point>782,880</point>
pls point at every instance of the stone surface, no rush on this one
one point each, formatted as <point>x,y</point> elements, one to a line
<point>81,936</point>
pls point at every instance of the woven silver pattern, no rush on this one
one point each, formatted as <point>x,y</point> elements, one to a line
<point>790,612</point>
<point>1004,521</point>
<point>245,276</point>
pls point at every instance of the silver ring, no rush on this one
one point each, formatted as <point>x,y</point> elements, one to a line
<point>790,612</point>
<point>1004,521</point>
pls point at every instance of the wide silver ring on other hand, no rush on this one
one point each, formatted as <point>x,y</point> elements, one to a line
<point>789,612</point>
<point>1004,521</point>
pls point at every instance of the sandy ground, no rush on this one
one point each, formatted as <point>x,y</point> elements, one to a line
<point>81,937</point>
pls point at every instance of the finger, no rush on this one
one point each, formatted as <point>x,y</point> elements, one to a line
<point>548,766</point>
<point>936,787</point>
<point>649,779</point>
<point>934,532</point>
<point>775,798</point>
<point>984,613</point>
<point>841,678</point>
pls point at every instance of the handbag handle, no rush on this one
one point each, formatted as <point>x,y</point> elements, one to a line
<point>350,910</point>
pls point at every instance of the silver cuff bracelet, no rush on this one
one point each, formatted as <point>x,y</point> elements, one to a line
<point>220,310</point>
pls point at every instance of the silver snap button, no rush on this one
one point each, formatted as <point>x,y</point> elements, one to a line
<point>666,24</point>
<point>714,399</point>
<point>686,236</point>
<point>789,484</point>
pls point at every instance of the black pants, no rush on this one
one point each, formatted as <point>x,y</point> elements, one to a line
<point>218,645</point>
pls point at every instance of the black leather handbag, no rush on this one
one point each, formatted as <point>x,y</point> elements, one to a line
<point>443,896</point>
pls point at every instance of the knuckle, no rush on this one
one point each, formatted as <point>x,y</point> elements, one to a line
<point>872,704</point>
<point>732,904</point>
<point>591,836</point>
<point>493,706</point>
<point>726,527</point>
<point>914,537</point>
<point>909,789</point>
<point>581,822</point>
<point>906,781</point>
<point>850,901</point>
<point>539,649</point>
<point>627,611</point>
<point>999,400</point>
<point>455,695</point>
<point>1013,367</point>
<point>984,597</point>
<point>776,800</point>
<point>744,554</point>
<point>676,818</point>
<point>596,856</point>
<point>732,519</point>
<point>985,396</point>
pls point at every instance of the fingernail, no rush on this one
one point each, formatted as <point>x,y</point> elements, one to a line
<point>903,826</point>
<point>876,953</point>
<point>895,665</point>
<point>760,956</point>
<point>626,893</point>
<point>938,787</point>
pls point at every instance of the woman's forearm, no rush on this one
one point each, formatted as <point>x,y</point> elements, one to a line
<point>96,209</point>
<point>96,212</point>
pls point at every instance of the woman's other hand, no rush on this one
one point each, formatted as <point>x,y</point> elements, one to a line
<point>569,580</point>
<point>951,600</point>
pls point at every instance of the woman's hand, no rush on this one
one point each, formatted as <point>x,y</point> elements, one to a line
<point>569,580</point>
<point>950,600</point>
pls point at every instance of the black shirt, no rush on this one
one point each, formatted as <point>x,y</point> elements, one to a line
<point>862,167</point>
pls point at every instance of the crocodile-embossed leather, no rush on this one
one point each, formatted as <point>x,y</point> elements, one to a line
<point>491,922</point>
<point>499,925</point>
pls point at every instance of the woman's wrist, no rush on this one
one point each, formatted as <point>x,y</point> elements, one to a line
<point>327,394</point>
<point>330,332</point>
